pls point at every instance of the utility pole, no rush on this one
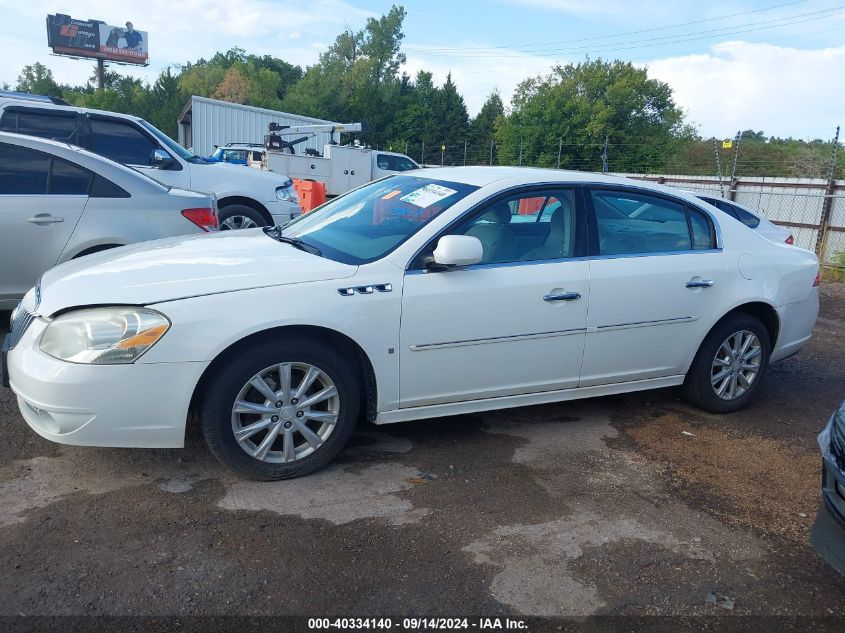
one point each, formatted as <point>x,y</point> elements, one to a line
<point>520,152</point>
<point>101,74</point>
<point>821,239</point>
<point>604,156</point>
<point>422,156</point>
<point>465,152</point>
<point>732,190</point>
<point>442,153</point>
<point>718,166</point>
<point>406,148</point>
<point>559,150</point>
<point>491,151</point>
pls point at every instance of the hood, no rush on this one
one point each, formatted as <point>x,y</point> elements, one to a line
<point>180,267</point>
<point>243,171</point>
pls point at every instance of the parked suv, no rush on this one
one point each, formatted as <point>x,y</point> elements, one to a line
<point>59,202</point>
<point>247,197</point>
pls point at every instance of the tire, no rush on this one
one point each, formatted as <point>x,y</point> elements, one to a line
<point>239,216</point>
<point>235,380</point>
<point>705,377</point>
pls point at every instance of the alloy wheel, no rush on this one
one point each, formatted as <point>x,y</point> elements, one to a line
<point>285,412</point>
<point>736,365</point>
<point>236,222</point>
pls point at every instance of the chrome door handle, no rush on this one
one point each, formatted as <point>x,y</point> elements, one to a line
<point>44,218</point>
<point>704,283</point>
<point>563,296</point>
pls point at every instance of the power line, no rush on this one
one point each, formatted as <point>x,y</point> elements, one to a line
<point>626,33</point>
<point>678,38</point>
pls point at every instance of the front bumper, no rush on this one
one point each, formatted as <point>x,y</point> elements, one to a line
<point>283,212</point>
<point>140,405</point>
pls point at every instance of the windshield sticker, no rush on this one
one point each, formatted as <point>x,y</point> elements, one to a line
<point>428,195</point>
<point>390,195</point>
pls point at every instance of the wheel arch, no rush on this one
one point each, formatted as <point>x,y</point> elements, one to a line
<point>353,351</point>
<point>89,250</point>
<point>761,310</point>
<point>247,202</point>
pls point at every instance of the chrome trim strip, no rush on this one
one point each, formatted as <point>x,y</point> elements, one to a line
<point>495,339</point>
<point>535,262</point>
<point>661,254</point>
<point>625,326</point>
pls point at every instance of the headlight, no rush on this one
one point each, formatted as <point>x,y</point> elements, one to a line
<point>287,193</point>
<point>103,336</point>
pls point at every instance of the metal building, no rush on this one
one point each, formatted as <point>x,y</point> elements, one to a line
<point>205,123</point>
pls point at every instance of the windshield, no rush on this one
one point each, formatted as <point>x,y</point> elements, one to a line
<point>368,223</point>
<point>172,145</point>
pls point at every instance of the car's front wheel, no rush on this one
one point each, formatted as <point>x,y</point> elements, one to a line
<point>239,216</point>
<point>280,409</point>
<point>730,365</point>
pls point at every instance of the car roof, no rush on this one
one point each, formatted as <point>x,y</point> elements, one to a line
<point>6,102</point>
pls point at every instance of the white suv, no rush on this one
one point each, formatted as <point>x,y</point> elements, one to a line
<point>246,197</point>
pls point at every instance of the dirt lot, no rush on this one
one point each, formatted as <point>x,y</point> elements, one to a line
<point>629,505</point>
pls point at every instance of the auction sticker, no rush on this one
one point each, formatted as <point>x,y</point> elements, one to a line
<point>427,195</point>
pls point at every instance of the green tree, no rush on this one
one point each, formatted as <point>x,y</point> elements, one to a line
<point>38,79</point>
<point>450,113</point>
<point>583,104</point>
<point>483,127</point>
<point>355,79</point>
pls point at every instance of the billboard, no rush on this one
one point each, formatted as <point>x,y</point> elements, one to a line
<point>95,38</point>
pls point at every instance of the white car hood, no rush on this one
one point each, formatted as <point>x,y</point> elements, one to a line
<point>222,174</point>
<point>180,267</point>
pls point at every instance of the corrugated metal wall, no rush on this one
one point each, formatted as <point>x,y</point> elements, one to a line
<point>219,122</point>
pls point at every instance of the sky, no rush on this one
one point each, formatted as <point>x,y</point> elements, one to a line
<point>771,65</point>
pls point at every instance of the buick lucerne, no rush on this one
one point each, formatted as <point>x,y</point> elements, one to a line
<point>442,292</point>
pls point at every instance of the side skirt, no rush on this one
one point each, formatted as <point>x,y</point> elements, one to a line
<point>523,400</point>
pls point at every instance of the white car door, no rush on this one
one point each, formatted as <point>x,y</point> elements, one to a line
<point>125,143</point>
<point>41,201</point>
<point>654,285</point>
<point>515,323</point>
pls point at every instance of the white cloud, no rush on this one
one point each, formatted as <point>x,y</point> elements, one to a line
<point>740,85</point>
<point>478,77</point>
<point>178,31</point>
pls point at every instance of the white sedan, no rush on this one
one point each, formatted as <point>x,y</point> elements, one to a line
<point>412,297</point>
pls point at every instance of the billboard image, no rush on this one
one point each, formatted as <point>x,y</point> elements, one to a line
<point>95,38</point>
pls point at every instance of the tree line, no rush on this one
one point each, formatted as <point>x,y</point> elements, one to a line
<point>579,116</point>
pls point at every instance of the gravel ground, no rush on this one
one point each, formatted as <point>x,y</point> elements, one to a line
<point>633,505</point>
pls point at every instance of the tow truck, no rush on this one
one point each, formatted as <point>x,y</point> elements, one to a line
<point>340,167</point>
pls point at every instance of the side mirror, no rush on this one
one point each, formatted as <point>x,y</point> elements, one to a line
<point>161,159</point>
<point>458,250</point>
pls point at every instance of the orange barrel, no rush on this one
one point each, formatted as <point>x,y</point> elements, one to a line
<point>311,193</point>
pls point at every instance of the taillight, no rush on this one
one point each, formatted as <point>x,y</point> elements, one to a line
<point>817,280</point>
<point>790,240</point>
<point>205,218</point>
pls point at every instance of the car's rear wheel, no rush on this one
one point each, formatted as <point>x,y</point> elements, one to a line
<point>234,217</point>
<point>280,409</point>
<point>730,365</point>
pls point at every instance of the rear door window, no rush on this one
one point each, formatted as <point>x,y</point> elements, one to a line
<point>68,180</point>
<point>630,222</point>
<point>121,141</point>
<point>58,125</point>
<point>23,171</point>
